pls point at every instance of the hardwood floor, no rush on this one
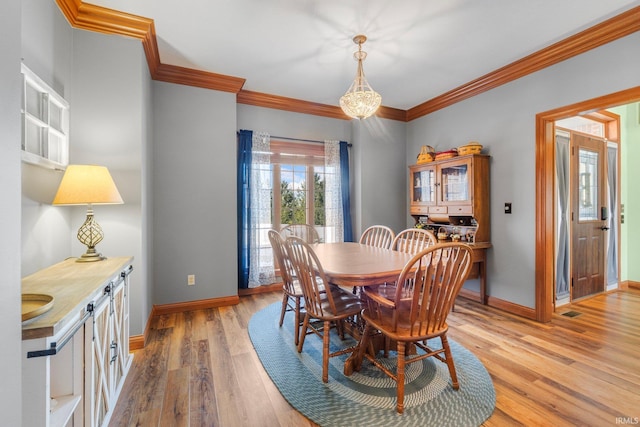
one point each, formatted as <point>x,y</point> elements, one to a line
<point>199,368</point>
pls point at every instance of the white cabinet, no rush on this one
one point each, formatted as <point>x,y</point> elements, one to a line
<point>52,380</point>
<point>45,123</point>
<point>77,353</point>
<point>107,353</point>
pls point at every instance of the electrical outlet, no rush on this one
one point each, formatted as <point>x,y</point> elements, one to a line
<point>191,279</point>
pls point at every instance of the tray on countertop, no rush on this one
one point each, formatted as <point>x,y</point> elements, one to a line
<point>35,304</point>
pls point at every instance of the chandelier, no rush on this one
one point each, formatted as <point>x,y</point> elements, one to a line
<point>360,101</point>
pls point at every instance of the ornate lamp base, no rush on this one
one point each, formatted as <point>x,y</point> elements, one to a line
<point>91,256</point>
<point>90,234</point>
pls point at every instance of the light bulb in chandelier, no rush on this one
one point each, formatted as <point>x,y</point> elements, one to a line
<point>360,101</point>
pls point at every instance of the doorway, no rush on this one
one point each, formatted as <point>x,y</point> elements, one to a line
<point>587,183</point>
<point>583,210</point>
<point>545,202</point>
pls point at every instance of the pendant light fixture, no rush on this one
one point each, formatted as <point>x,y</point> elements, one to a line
<point>360,101</point>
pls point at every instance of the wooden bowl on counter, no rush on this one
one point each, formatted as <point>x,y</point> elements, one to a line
<point>35,304</point>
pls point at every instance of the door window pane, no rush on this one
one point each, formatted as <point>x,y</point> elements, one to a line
<point>293,194</point>
<point>588,185</point>
<point>319,173</point>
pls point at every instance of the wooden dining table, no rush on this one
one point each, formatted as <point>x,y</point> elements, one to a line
<point>351,264</point>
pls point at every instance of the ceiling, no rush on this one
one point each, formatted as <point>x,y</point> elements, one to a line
<point>303,49</point>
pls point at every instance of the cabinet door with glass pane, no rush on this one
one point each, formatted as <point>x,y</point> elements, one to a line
<point>422,188</point>
<point>455,182</point>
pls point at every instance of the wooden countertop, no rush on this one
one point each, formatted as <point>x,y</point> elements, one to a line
<point>479,245</point>
<point>73,285</point>
<point>476,245</point>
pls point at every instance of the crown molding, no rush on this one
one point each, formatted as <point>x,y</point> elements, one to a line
<point>103,20</point>
<point>109,21</point>
<point>197,78</point>
<point>612,29</point>
<point>259,99</point>
<point>392,113</point>
<point>96,18</point>
<point>277,102</point>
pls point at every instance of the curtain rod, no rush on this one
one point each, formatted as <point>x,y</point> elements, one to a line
<point>315,141</point>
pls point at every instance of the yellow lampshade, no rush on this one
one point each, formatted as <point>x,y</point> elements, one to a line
<point>87,184</point>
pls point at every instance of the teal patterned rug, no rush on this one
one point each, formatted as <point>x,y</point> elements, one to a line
<point>368,397</point>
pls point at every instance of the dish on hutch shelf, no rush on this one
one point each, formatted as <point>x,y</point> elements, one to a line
<point>446,154</point>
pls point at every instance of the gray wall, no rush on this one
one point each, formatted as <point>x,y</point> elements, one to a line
<point>110,126</point>
<point>145,263</point>
<point>379,155</point>
<point>10,333</point>
<point>503,120</point>
<point>107,83</point>
<point>47,41</point>
<point>194,194</point>
<point>292,125</point>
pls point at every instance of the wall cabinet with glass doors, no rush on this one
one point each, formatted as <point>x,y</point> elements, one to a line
<point>453,188</point>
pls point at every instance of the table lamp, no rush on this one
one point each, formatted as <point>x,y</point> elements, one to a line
<point>88,185</point>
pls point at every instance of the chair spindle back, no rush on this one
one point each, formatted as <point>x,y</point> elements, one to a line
<point>379,236</point>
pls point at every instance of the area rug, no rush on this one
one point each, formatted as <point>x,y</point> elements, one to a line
<point>368,397</point>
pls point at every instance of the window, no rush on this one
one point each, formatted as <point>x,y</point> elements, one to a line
<point>294,200</point>
<point>583,124</point>
<point>281,183</point>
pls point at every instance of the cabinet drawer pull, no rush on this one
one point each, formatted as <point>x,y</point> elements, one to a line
<point>461,209</point>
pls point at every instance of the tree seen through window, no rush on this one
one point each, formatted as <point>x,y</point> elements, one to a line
<point>298,202</point>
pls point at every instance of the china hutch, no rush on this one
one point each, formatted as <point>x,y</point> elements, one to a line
<point>451,198</point>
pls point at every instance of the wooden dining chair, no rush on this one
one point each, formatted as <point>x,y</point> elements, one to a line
<point>379,236</point>
<point>306,232</point>
<point>426,290</point>
<point>329,304</point>
<point>413,240</point>
<point>291,289</point>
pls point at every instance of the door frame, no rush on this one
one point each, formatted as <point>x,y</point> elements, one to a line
<point>545,185</point>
